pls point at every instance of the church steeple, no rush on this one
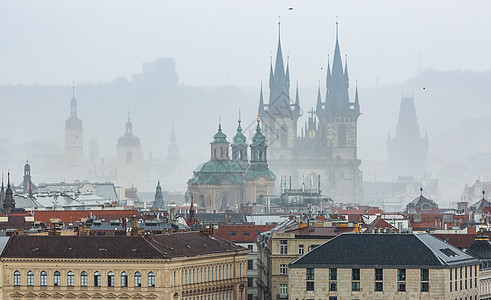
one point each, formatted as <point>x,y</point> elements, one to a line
<point>318,106</point>
<point>159,197</point>
<point>9,202</point>
<point>173,149</point>
<point>261,99</point>
<point>129,127</point>
<point>219,145</point>
<point>297,98</point>
<point>357,102</point>
<point>258,148</point>
<point>73,121</point>
<point>239,147</point>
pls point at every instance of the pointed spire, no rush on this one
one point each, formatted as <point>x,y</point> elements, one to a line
<point>346,77</point>
<point>287,74</point>
<point>328,75</point>
<point>357,102</point>
<point>261,99</point>
<point>271,74</point>
<point>318,106</point>
<point>297,98</point>
<point>8,179</point>
<point>73,89</point>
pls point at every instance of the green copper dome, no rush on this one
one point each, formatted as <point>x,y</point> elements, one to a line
<point>239,138</point>
<point>258,138</point>
<point>220,137</point>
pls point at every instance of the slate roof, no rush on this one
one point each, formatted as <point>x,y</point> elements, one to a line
<point>384,251</point>
<point>162,246</point>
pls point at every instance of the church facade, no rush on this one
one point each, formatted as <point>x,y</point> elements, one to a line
<point>224,182</point>
<point>327,145</point>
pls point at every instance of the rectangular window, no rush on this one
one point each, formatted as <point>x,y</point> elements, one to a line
<point>355,286</point>
<point>465,284</point>
<point>425,277</point>
<point>250,282</point>
<point>379,274</point>
<point>283,247</point>
<point>425,286</point>
<point>283,289</point>
<point>379,286</point>
<point>300,249</point>
<point>283,269</point>
<point>333,274</point>
<point>245,233</point>
<point>333,298</point>
<point>310,276</point>
<point>401,286</point>
<point>250,264</point>
<point>355,274</point>
<point>251,247</point>
<point>333,286</point>
<point>401,274</point>
<point>232,233</point>
<point>466,272</point>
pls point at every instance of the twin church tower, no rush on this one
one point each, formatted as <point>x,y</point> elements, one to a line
<point>327,146</point>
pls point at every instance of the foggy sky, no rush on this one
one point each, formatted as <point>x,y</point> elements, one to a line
<point>229,42</point>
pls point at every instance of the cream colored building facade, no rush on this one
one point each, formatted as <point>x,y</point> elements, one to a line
<point>384,266</point>
<point>276,250</point>
<point>218,275</point>
<point>439,284</point>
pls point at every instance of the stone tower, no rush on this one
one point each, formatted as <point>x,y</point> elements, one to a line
<point>338,121</point>
<point>280,114</point>
<point>259,180</point>
<point>159,197</point>
<point>129,158</point>
<point>239,147</point>
<point>27,182</point>
<point>74,149</point>
<point>407,151</point>
<point>9,202</point>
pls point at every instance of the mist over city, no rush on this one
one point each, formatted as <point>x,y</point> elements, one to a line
<point>281,113</point>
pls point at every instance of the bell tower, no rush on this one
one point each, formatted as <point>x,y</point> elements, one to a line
<point>74,149</point>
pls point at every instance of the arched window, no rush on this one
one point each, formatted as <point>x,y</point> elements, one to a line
<point>186,277</point>
<point>124,279</point>
<point>138,279</point>
<point>151,279</point>
<point>110,278</point>
<point>175,278</point>
<point>57,278</point>
<point>83,278</point>
<point>16,278</point>
<point>44,278</point>
<point>215,153</point>
<point>129,157</point>
<point>30,278</point>
<point>219,272</point>
<point>341,135</point>
<point>221,152</point>
<point>97,278</point>
<point>70,278</point>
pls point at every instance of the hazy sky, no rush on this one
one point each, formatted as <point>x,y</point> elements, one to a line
<point>229,42</point>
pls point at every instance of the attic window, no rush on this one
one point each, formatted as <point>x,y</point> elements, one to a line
<point>245,232</point>
<point>232,233</point>
<point>448,252</point>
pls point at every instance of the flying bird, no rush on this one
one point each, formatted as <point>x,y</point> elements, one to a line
<point>290,8</point>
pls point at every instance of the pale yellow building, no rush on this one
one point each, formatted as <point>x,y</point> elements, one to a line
<point>384,266</point>
<point>187,266</point>
<point>279,247</point>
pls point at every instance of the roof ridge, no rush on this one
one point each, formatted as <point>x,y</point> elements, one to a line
<point>430,248</point>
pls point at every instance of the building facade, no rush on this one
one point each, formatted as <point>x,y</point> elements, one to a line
<point>279,247</point>
<point>183,266</point>
<point>224,182</point>
<point>129,158</point>
<point>384,266</point>
<point>74,146</point>
<point>327,145</point>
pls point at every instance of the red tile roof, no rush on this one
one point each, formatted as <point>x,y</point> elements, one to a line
<point>117,247</point>
<point>71,216</point>
<point>245,233</point>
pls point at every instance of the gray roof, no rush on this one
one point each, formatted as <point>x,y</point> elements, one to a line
<point>352,250</point>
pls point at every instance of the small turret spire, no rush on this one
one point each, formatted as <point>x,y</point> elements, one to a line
<point>297,98</point>
<point>357,102</point>
<point>319,100</point>
<point>346,77</point>
<point>73,89</point>
<point>261,99</point>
